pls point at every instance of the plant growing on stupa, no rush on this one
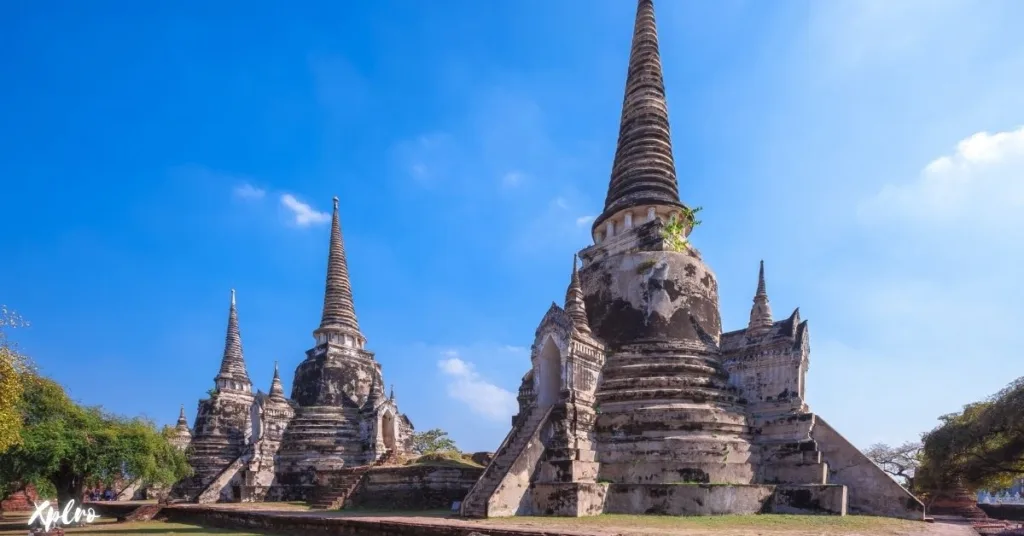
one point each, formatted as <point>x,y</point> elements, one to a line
<point>675,230</point>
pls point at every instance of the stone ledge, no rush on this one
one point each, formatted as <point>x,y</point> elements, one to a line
<point>724,499</point>
<point>298,523</point>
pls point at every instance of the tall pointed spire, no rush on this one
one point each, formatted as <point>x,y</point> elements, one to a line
<point>276,390</point>
<point>761,312</point>
<point>644,171</point>
<point>232,367</point>
<point>574,301</point>
<point>182,421</point>
<point>339,315</point>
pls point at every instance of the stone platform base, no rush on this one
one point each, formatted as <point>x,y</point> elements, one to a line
<point>586,499</point>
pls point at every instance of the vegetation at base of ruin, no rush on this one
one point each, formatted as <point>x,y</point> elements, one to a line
<point>982,446</point>
<point>13,366</point>
<point>445,458</point>
<point>64,447</point>
<point>434,440</point>
<point>899,462</point>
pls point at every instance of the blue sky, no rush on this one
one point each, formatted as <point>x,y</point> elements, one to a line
<point>152,159</point>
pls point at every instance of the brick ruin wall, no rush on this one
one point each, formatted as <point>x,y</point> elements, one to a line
<point>414,487</point>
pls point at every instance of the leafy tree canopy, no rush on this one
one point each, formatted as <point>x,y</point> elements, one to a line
<point>901,462</point>
<point>432,441</point>
<point>70,446</point>
<point>12,367</point>
<point>981,447</point>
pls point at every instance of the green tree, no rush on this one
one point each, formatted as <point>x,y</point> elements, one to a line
<point>13,366</point>
<point>432,441</point>
<point>981,447</point>
<point>69,446</point>
<point>901,462</point>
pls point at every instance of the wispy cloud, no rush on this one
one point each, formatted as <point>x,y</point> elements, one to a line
<point>248,192</point>
<point>480,396</point>
<point>303,215</point>
<point>512,179</point>
<point>583,221</point>
<point>982,180</point>
<point>427,159</point>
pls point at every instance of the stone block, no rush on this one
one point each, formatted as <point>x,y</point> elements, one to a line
<point>825,499</point>
<point>688,499</point>
<point>573,499</point>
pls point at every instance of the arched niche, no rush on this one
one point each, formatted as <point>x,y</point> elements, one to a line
<point>548,374</point>
<point>387,426</point>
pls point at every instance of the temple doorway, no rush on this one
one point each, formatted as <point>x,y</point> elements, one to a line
<point>387,424</point>
<point>549,372</point>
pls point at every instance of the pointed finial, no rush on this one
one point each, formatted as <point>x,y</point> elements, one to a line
<point>761,312</point>
<point>761,291</point>
<point>392,397</point>
<point>339,315</point>
<point>644,170</point>
<point>574,306</point>
<point>232,366</point>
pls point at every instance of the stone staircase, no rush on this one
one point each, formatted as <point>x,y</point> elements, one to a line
<point>344,484</point>
<point>476,502</point>
<point>145,512</point>
<point>213,492</point>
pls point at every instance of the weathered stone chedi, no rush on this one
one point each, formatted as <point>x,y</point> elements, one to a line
<point>636,401</point>
<point>258,446</point>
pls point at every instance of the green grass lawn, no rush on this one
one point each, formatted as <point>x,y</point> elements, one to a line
<point>16,524</point>
<point>608,524</point>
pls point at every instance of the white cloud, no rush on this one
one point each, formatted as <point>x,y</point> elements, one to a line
<point>981,182</point>
<point>427,158</point>
<point>515,349</point>
<point>479,395</point>
<point>304,214</point>
<point>583,221</point>
<point>249,192</point>
<point>512,179</point>
<point>560,202</point>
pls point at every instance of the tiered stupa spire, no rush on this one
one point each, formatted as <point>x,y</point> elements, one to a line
<point>574,306</point>
<point>761,312</point>
<point>276,389</point>
<point>644,171</point>
<point>232,366</point>
<point>182,421</point>
<point>339,314</point>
